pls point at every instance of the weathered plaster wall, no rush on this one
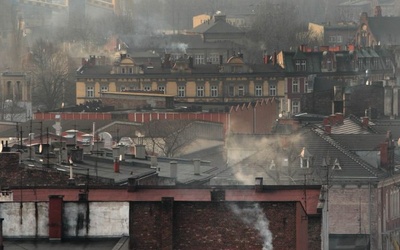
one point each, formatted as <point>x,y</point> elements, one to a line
<point>106,219</point>
<point>27,220</point>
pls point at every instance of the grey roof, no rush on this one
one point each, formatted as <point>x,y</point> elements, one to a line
<point>385,28</point>
<point>351,125</point>
<point>325,151</point>
<point>383,126</point>
<point>363,142</point>
<point>218,26</point>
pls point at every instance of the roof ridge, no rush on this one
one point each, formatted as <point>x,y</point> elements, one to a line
<point>343,150</point>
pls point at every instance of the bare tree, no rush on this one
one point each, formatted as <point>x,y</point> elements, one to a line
<point>168,137</point>
<point>49,75</point>
<point>276,26</point>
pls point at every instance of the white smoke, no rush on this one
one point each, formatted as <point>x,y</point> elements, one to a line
<point>254,216</point>
<point>181,47</point>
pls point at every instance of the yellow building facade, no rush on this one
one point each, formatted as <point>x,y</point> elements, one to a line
<point>228,83</point>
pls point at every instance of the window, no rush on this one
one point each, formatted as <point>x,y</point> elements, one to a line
<point>295,85</point>
<point>303,65</point>
<point>9,90</point>
<point>332,39</point>
<point>298,65</point>
<point>199,59</point>
<point>295,107</point>
<point>304,162</point>
<point>213,58</point>
<point>123,70</point>
<point>130,70</point>
<point>339,39</point>
<point>90,91</point>
<point>122,88</point>
<point>147,87</point>
<point>200,91</point>
<point>258,90</point>
<point>214,91</point>
<point>329,64</point>
<point>272,90</point>
<point>305,86</point>
<point>241,91</point>
<point>104,89</point>
<point>181,91</point>
<point>231,91</point>
<point>161,89</point>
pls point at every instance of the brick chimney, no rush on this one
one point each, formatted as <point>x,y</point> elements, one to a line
<point>378,11</point>
<point>259,184</point>
<point>1,234</point>
<point>328,129</point>
<point>365,121</point>
<point>339,118</point>
<point>173,169</point>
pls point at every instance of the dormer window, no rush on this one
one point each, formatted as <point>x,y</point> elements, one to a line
<point>305,158</point>
<point>303,65</point>
<point>272,165</point>
<point>336,165</point>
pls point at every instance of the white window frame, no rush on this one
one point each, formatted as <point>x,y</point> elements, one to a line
<point>303,65</point>
<point>147,88</point>
<point>305,86</point>
<point>181,91</point>
<point>295,85</point>
<point>241,90</point>
<point>272,90</point>
<point>199,58</point>
<point>90,91</point>
<point>162,89</point>
<point>104,89</point>
<point>295,106</point>
<point>200,91</point>
<point>258,90</point>
<point>214,91</point>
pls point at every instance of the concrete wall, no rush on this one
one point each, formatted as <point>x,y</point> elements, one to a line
<point>104,219</point>
<point>354,210</point>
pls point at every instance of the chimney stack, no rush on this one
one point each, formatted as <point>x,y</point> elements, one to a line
<point>378,11</point>
<point>1,234</point>
<point>196,163</point>
<point>365,121</point>
<point>328,129</point>
<point>259,184</point>
<point>173,169</point>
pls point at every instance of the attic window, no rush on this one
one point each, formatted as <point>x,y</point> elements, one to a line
<point>336,165</point>
<point>305,158</point>
<point>303,65</point>
<point>272,165</point>
<point>304,163</point>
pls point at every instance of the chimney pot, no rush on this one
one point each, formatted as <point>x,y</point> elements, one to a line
<point>173,169</point>
<point>365,121</point>
<point>328,129</point>
<point>196,163</point>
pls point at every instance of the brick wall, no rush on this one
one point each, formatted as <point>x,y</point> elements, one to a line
<point>214,225</point>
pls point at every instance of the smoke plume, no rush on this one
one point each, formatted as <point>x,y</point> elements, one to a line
<point>254,216</point>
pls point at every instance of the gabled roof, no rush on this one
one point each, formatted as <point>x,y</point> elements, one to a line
<point>313,60</point>
<point>326,155</point>
<point>216,26</point>
<point>385,28</point>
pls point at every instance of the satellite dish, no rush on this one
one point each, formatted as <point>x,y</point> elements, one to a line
<point>40,148</point>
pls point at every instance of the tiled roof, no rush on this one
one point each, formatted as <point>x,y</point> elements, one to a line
<point>363,142</point>
<point>385,28</point>
<point>267,161</point>
<point>216,27</point>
